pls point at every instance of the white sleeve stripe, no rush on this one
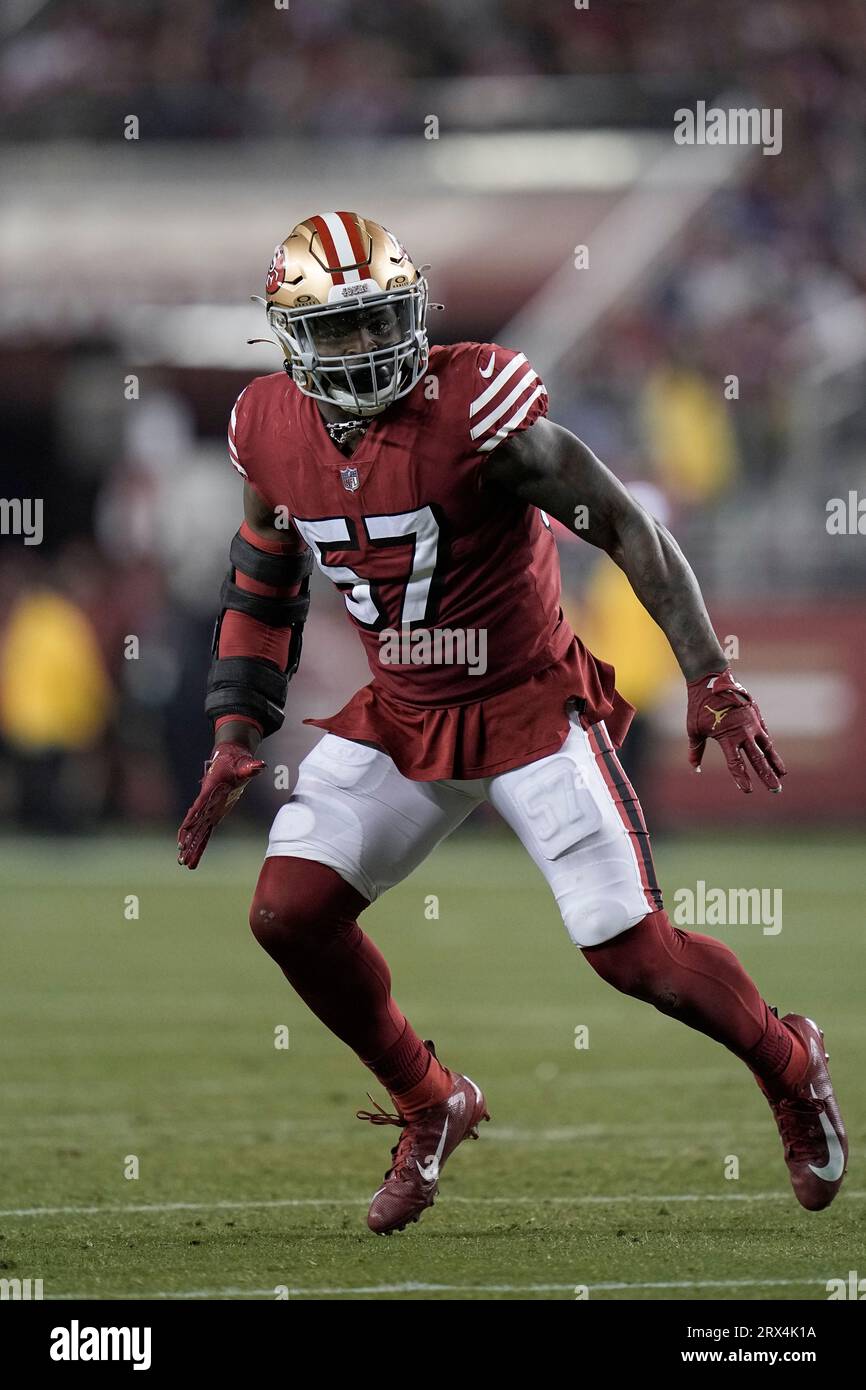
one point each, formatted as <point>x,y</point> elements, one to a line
<point>496,384</point>
<point>235,407</point>
<point>242,471</point>
<point>504,406</point>
<point>511,424</point>
<point>233,452</point>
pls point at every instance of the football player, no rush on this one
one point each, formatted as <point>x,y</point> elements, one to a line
<point>420,482</point>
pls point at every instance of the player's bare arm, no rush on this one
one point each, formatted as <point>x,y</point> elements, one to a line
<point>259,516</point>
<point>551,468</point>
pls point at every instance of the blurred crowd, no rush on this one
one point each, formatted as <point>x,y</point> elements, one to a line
<point>106,627</point>
<point>227,68</point>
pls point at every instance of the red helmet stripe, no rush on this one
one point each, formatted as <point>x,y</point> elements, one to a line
<point>329,249</point>
<point>354,235</point>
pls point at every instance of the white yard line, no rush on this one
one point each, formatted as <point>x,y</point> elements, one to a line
<point>155,1208</point>
<point>285,1132</point>
<point>373,1289</point>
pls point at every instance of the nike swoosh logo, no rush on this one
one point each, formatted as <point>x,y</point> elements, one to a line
<point>835,1165</point>
<point>430,1172</point>
<point>488,370</point>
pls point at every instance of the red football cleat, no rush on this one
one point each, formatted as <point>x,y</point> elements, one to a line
<point>412,1182</point>
<point>813,1135</point>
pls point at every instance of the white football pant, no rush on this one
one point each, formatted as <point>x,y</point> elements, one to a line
<point>574,812</point>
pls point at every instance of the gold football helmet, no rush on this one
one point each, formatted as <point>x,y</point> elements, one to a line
<point>349,310</point>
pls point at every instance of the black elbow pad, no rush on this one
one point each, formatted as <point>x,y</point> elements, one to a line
<point>255,686</point>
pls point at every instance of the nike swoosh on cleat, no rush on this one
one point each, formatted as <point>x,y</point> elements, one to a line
<point>475,1088</point>
<point>488,370</point>
<point>835,1165</point>
<point>431,1172</point>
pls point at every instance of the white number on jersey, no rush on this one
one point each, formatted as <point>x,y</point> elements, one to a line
<point>418,529</point>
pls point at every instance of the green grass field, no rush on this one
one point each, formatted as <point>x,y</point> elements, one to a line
<point>602,1167</point>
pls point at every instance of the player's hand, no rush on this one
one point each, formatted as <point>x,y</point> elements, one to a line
<point>226,774</point>
<point>720,708</point>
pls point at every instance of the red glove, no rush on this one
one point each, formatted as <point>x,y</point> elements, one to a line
<point>720,708</point>
<point>225,778</point>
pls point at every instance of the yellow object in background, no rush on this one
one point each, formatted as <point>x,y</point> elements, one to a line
<point>690,436</point>
<point>54,689</point>
<point>616,627</point>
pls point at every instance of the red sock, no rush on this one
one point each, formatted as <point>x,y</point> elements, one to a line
<point>303,914</point>
<point>699,980</point>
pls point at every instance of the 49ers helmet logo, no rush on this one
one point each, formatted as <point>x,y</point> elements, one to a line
<point>276,271</point>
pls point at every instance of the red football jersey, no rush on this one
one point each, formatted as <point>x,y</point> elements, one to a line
<point>453,586</point>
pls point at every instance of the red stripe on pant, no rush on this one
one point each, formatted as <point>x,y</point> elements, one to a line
<point>604,736</point>
<point>630,812</point>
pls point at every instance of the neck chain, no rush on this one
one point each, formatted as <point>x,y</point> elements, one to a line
<point>342,430</point>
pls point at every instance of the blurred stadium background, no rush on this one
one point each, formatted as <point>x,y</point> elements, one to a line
<point>135,258</point>
<point>127,266</point>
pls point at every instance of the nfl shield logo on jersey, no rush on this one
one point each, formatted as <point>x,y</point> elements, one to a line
<point>349,478</point>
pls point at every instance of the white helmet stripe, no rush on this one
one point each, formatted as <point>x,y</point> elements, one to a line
<point>345,252</point>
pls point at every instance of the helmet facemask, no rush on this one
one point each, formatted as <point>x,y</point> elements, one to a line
<point>362,351</point>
